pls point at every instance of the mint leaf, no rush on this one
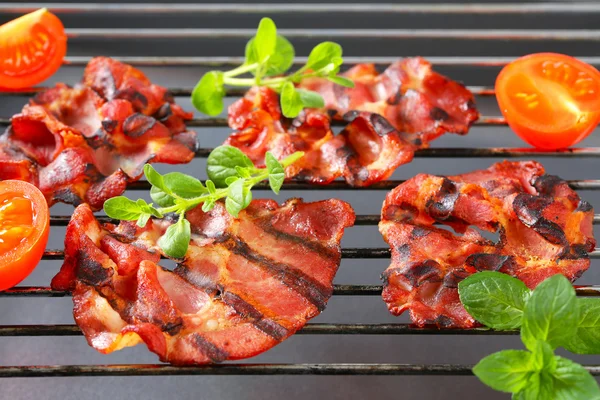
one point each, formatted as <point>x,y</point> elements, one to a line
<point>208,94</point>
<point>323,54</point>
<point>543,357</point>
<point>587,338</point>
<point>551,314</point>
<point>506,371</point>
<point>291,104</point>
<point>573,382</point>
<point>495,299</point>
<point>176,239</point>
<point>276,172</point>
<point>122,208</point>
<point>222,162</point>
<point>342,81</point>
<point>235,201</point>
<point>264,41</point>
<point>310,99</point>
<point>280,61</point>
<point>540,386</point>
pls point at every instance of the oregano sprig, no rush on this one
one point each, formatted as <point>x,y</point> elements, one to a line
<point>549,317</point>
<point>231,177</point>
<point>269,55</point>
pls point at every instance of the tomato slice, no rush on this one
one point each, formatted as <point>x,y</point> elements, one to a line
<point>550,100</point>
<point>32,48</point>
<point>24,227</point>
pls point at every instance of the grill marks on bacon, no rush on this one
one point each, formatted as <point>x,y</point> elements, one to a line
<point>389,116</point>
<point>244,286</point>
<point>544,229</point>
<point>84,144</point>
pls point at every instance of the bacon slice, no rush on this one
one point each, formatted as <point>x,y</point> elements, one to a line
<point>244,286</point>
<point>544,229</point>
<point>368,150</point>
<point>84,144</point>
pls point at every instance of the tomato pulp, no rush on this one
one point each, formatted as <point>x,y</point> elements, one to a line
<point>551,101</point>
<point>32,48</point>
<point>24,227</point>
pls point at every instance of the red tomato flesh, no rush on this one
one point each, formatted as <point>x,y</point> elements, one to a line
<point>551,101</point>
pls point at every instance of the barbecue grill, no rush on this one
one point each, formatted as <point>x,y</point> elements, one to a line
<point>176,43</point>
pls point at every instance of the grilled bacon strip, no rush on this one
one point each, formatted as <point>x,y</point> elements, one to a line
<point>244,286</point>
<point>389,116</point>
<point>84,144</point>
<point>544,229</point>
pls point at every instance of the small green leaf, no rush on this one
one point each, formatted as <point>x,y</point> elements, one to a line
<point>265,40</point>
<point>587,338</point>
<point>208,94</point>
<point>573,382</point>
<point>342,81</point>
<point>551,314</point>
<point>154,177</point>
<point>234,203</point>
<point>247,197</point>
<point>211,187</point>
<point>143,220</point>
<point>276,172</point>
<point>540,386</point>
<point>122,208</point>
<point>231,179</point>
<point>161,198</point>
<point>323,54</point>
<point>506,371</point>
<point>543,357</point>
<point>183,185</point>
<point>147,208</point>
<point>243,172</point>
<point>291,104</point>
<point>279,62</point>
<point>494,299</point>
<point>176,239</point>
<point>222,162</point>
<point>310,99</point>
<point>208,205</point>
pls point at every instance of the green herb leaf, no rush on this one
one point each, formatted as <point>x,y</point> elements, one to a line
<point>235,201</point>
<point>264,41</point>
<point>154,177</point>
<point>539,386</point>
<point>543,357</point>
<point>247,197</point>
<point>310,99</point>
<point>280,61</point>
<point>495,299</point>
<point>211,187</point>
<point>342,81</point>
<point>184,185</point>
<point>147,208</point>
<point>122,208</point>
<point>208,94</point>
<point>587,338</point>
<point>222,162</point>
<point>176,239</point>
<point>506,371</point>
<point>323,54</point>
<point>291,104</point>
<point>208,205</point>
<point>573,382</point>
<point>143,220</point>
<point>276,172</point>
<point>551,314</point>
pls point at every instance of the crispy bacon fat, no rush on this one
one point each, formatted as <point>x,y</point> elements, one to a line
<point>389,116</point>
<point>544,229</point>
<point>244,286</point>
<point>84,144</point>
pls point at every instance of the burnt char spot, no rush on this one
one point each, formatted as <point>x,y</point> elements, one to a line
<point>551,232</point>
<point>123,238</point>
<point>395,99</point>
<point>164,112</point>
<point>444,322</point>
<point>584,206</point>
<point>381,125</point>
<point>90,271</point>
<point>98,140</point>
<point>198,279</point>
<point>545,184</point>
<point>422,272</point>
<point>438,114</point>
<point>109,125</point>
<point>209,349</point>
<point>172,328</point>
<point>452,279</point>
<point>529,208</point>
<point>576,252</point>
<point>419,232</point>
<point>403,212</point>
<point>67,196</point>
<point>403,252</point>
<point>296,280</point>
<point>441,204</point>
<point>247,310</point>
<point>350,116</point>
<point>138,100</point>
<point>137,125</point>
<point>490,262</point>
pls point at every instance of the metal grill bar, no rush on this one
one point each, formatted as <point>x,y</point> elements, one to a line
<point>543,8</point>
<point>338,290</point>
<point>458,34</point>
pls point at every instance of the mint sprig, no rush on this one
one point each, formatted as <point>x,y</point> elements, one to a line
<point>267,56</point>
<point>231,177</point>
<point>549,317</point>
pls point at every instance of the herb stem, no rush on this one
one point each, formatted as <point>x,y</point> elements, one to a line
<point>242,69</point>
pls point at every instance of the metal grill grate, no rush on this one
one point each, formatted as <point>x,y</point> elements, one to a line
<point>347,253</point>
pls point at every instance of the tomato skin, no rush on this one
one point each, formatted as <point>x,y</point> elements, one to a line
<point>19,261</point>
<point>551,101</point>
<point>32,48</point>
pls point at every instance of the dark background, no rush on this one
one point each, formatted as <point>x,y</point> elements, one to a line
<point>369,309</point>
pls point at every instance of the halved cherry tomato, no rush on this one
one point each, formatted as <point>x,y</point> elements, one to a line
<point>550,100</point>
<point>32,48</point>
<point>24,226</point>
